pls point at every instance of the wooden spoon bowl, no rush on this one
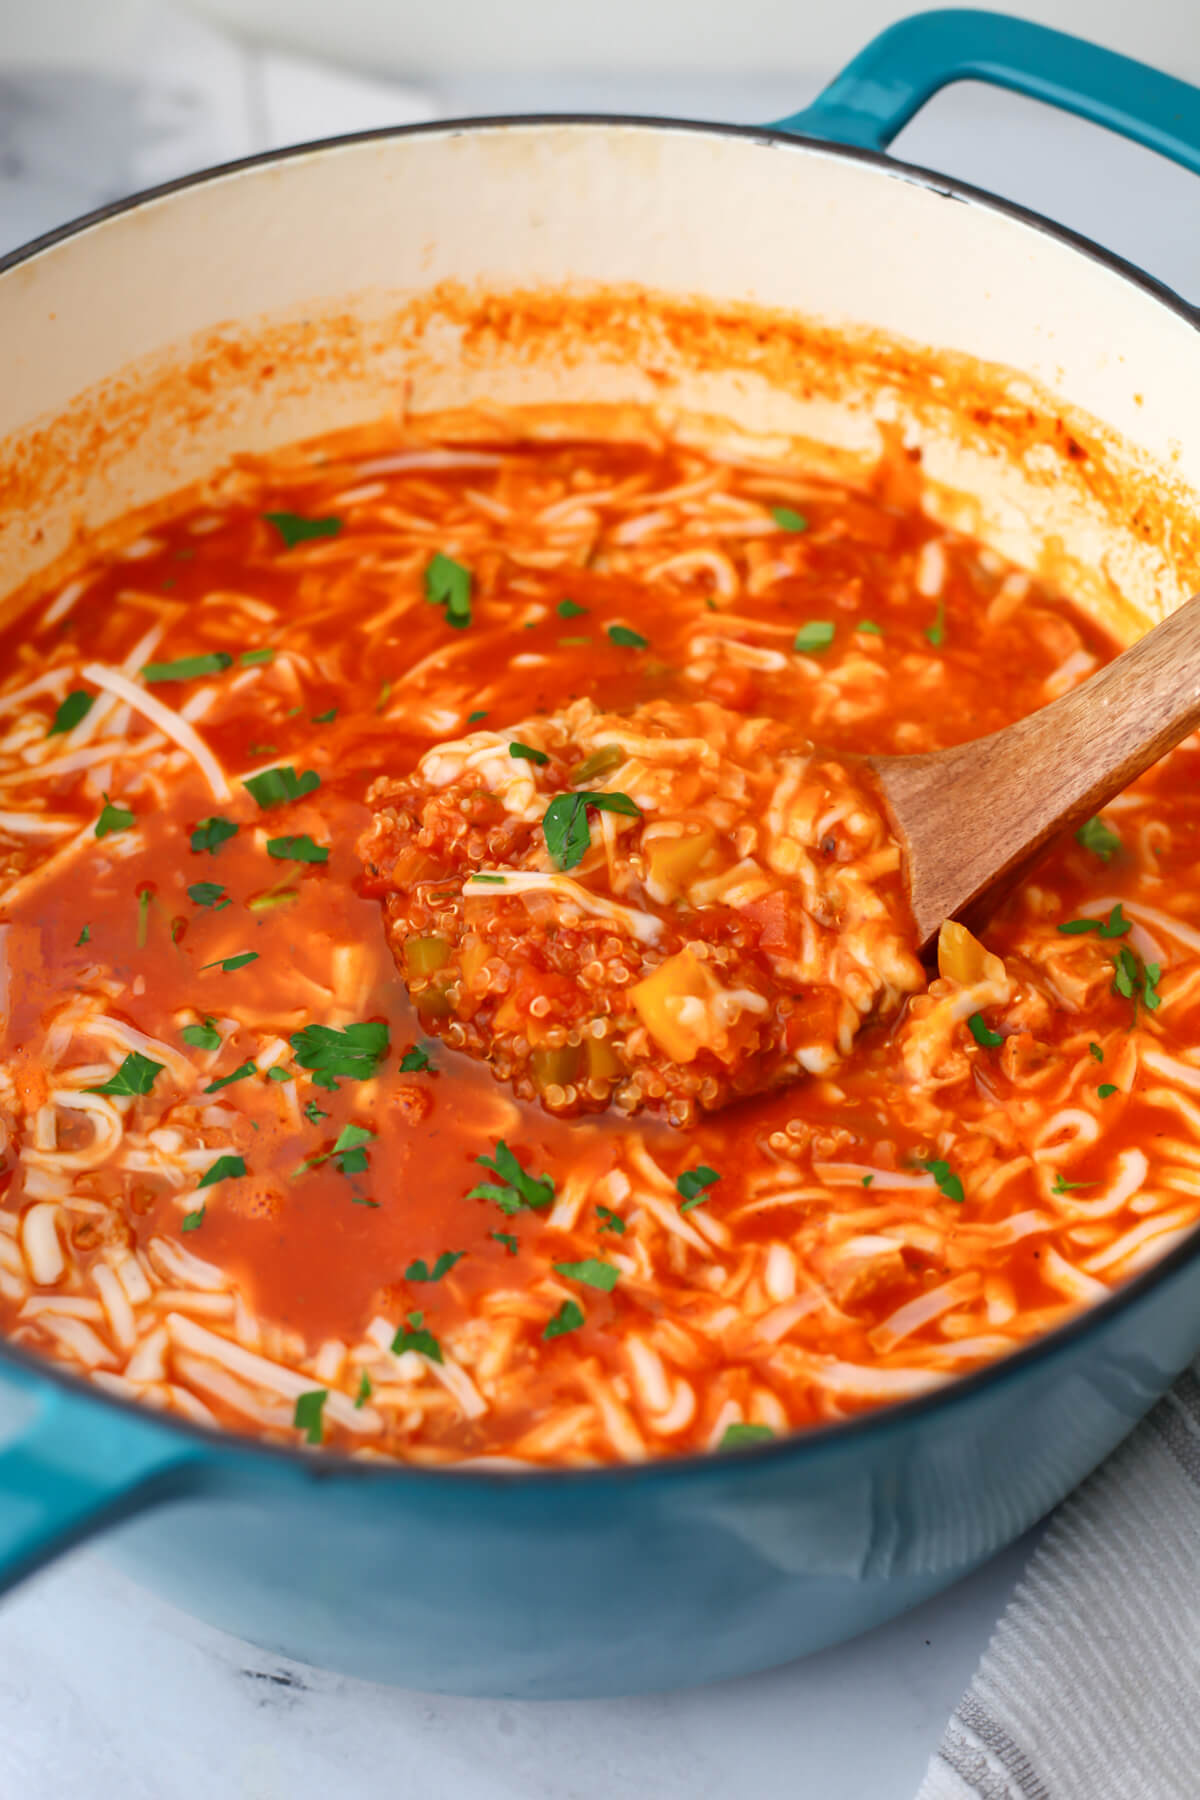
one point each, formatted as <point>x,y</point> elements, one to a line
<point>974,818</point>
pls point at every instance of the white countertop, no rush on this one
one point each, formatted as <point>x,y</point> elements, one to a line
<point>105,1692</point>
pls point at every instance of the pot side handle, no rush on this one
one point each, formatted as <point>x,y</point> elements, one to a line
<point>889,81</point>
<point>74,1468</point>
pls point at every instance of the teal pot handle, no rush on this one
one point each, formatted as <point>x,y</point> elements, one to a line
<point>889,81</point>
<point>74,1466</point>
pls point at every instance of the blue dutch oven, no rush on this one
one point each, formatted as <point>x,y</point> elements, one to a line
<point>608,1580</point>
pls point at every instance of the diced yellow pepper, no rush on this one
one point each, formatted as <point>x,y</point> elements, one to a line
<point>961,957</point>
<point>673,861</point>
<point>473,957</point>
<point>682,1030</point>
<point>507,1016</point>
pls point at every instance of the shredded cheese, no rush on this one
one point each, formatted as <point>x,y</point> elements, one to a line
<point>641,925</point>
<point>167,720</point>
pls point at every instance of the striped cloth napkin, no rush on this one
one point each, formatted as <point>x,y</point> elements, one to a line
<point>1090,1687</point>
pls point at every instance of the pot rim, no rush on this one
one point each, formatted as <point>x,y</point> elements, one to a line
<point>949,187</point>
<point>959,1390</point>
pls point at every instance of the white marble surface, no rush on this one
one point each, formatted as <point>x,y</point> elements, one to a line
<point>105,1692</point>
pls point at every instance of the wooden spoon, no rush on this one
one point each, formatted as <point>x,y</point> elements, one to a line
<point>973,819</point>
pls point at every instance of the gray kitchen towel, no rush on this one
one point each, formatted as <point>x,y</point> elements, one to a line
<point>1090,1687</point>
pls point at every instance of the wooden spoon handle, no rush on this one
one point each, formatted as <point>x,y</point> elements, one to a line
<point>976,816</point>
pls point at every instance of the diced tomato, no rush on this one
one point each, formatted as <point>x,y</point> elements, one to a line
<point>772,918</point>
<point>732,686</point>
<point>815,1018</point>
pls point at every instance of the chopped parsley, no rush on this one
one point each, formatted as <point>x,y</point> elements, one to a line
<point>867,1180</point>
<point>448,584</point>
<point>249,658</point>
<point>627,639</point>
<point>313,1113</point>
<point>515,1188</point>
<point>1136,980</point>
<point>347,1152</point>
<point>348,1148</point>
<point>1106,1089</point>
<point>936,633</point>
<point>1062,1186</point>
<point>229,963</point>
<point>192,1221</point>
<point>696,1185</point>
<point>385,694</point>
<point>278,1073</point>
<point>85,936</point>
<point>136,1075</point>
<point>277,787</point>
<point>412,1335</point>
<point>474,718</point>
<point>211,833</point>
<point>224,1169</point>
<point>1116,925</point>
<point>565,823</point>
<point>982,1032</point>
<point>325,718</point>
<point>948,1182</point>
<point>186,668</point>
<point>1095,1051</point>
<point>308,1414</point>
<point>570,609</point>
<point>569,1317</point>
<point>816,635</point>
<point>113,818</point>
<point>355,1051</point>
<point>202,1037</point>
<point>591,1272</point>
<point>869,625</point>
<point>610,1220</point>
<point>507,1239</point>
<point>208,893</point>
<point>273,897</point>
<point>527,753</point>
<point>739,1437</point>
<point>293,528</point>
<point>143,917</point>
<point>297,849</point>
<point>1099,838</point>
<point>415,1061</point>
<point>787,520</point>
<point>364,1391</point>
<point>239,1074</point>
<point>420,1270</point>
<point>77,705</point>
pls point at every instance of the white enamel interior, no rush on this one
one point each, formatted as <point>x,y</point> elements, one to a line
<point>351,232</point>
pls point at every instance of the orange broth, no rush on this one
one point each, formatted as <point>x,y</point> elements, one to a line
<point>930,646</point>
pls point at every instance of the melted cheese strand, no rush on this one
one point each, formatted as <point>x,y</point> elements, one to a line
<point>168,722</point>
